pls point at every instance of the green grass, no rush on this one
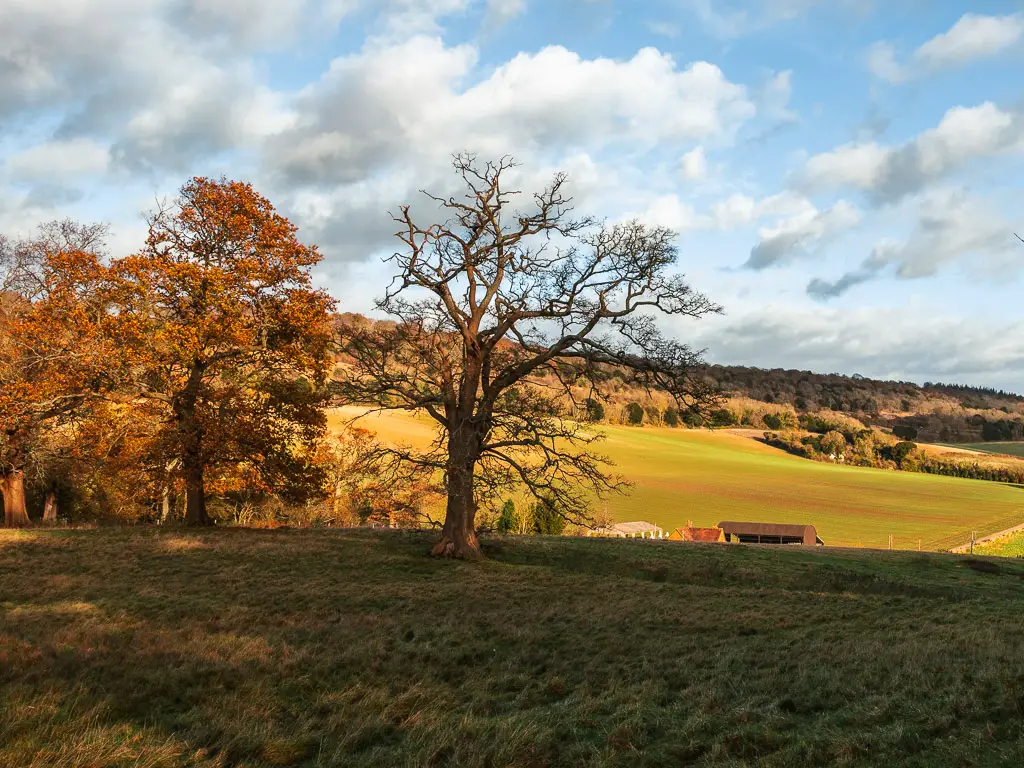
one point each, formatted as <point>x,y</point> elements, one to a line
<point>707,477</point>
<point>242,648</point>
<point>1008,449</point>
<point>1009,546</point>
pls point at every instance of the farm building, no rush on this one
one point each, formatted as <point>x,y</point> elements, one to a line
<point>770,533</point>
<point>640,529</point>
<point>689,533</point>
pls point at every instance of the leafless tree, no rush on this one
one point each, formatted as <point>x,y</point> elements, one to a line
<point>502,318</point>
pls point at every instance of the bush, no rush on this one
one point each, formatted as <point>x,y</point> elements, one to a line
<point>634,414</point>
<point>508,520</point>
<point>772,421</point>
<point>833,444</point>
<point>594,409</point>
<point>693,419</point>
<point>671,417</point>
<point>723,417</point>
<point>901,451</point>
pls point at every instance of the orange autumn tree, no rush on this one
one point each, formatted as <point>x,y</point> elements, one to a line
<point>224,333</point>
<point>54,357</point>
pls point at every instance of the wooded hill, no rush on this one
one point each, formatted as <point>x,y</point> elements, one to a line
<point>934,412</point>
<point>760,398</point>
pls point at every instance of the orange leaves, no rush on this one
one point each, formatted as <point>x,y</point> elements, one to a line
<point>220,320</point>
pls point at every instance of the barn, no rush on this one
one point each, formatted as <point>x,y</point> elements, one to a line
<point>770,533</point>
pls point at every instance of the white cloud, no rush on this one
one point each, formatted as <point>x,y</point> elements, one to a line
<point>739,210</point>
<point>952,226</point>
<point>973,37</point>
<point>796,236</point>
<point>695,165</point>
<point>903,343</point>
<point>500,12</point>
<point>402,108</point>
<point>881,62</point>
<point>890,173</point>
<point>736,19</point>
<point>57,160</point>
<point>776,95</point>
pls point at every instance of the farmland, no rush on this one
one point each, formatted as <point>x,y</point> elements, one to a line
<point>682,475</point>
<point>163,647</point>
<point>1009,546</point>
<point>1008,449</point>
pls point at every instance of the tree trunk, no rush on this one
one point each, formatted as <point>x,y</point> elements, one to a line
<point>165,505</point>
<point>191,431</point>
<point>50,509</point>
<point>12,488</point>
<point>458,536</point>
<point>195,493</point>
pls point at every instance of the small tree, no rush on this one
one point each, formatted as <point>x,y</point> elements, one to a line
<point>693,419</point>
<point>225,335</point>
<point>772,421</point>
<point>722,417</point>
<point>508,520</point>
<point>833,444</point>
<point>671,417</point>
<point>594,410</point>
<point>488,301</point>
<point>546,519</point>
<point>634,414</point>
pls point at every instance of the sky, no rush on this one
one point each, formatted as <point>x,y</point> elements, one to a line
<point>845,176</point>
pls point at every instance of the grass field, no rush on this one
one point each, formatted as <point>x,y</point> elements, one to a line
<point>1010,546</point>
<point>152,648</point>
<point>1008,449</point>
<point>707,477</point>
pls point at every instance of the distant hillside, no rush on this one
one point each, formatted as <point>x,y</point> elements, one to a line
<point>807,391</point>
<point>933,412</point>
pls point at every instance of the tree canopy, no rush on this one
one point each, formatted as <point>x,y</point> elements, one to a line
<point>506,320</point>
<point>224,335</point>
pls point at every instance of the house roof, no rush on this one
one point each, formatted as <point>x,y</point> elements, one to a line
<point>637,527</point>
<point>698,534</point>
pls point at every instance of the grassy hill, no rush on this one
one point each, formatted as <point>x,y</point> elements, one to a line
<point>149,647</point>
<point>708,477</point>
<point>1009,449</point>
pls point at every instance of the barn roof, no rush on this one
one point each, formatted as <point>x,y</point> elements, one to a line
<point>767,529</point>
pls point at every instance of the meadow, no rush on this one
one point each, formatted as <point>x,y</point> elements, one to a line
<point>155,648</point>
<point>1007,449</point>
<point>1008,546</point>
<point>707,477</point>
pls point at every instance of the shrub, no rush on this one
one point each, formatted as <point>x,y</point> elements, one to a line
<point>508,520</point>
<point>772,421</point>
<point>671,417</point>
<point>723,417</point>
<point>594,410</point>
<point>693,419</point>
<point>634,414</point>
<point>546,520</point>
<point>833,444</point>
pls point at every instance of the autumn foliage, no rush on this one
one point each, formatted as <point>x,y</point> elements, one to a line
<point>223,333</point>
<point>198,363</point>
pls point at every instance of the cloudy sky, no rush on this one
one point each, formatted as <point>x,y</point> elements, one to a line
<point>845,175</point>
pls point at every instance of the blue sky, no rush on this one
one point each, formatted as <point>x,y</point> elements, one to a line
<point>845,175</point>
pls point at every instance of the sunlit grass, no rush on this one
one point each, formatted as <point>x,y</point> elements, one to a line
<point>707,477</point>
<point>325,648</point>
